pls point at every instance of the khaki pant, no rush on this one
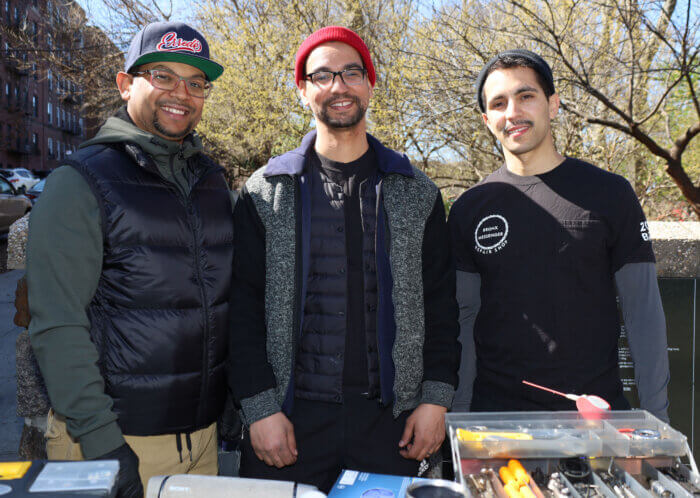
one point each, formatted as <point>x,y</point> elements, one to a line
<point>158,455</point>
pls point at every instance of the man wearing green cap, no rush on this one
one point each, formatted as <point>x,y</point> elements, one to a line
<point>129,265</point>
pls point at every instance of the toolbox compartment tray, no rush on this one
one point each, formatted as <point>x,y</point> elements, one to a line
<point>561,434</point>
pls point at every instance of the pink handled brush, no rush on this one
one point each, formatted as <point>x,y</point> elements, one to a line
<point>585,403</point>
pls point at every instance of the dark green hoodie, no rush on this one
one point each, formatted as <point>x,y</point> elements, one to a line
<point>64,263</point>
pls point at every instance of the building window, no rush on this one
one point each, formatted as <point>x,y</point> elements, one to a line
<point>7,91</point>
<point>50,146</point>
<point>49,77</point>
<point>35,138</point>
<point>35,106</point>
<point>48,111</point>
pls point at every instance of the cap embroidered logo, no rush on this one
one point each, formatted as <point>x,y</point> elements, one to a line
<point>170,42</point>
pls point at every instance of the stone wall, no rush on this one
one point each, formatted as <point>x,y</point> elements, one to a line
<point>677,248</point>
<point>17,244</point>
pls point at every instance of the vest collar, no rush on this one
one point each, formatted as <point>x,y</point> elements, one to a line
<point>292,162</point>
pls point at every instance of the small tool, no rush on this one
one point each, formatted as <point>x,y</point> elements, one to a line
<point>633,433</point>
<point>659,490</point>
<point>480,485</point>
<point>585,403</point>
<point>468,436</point>
<point>511,485</point>
<point>516,468</point>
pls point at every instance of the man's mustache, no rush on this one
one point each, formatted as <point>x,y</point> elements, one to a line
<point>515,124</point>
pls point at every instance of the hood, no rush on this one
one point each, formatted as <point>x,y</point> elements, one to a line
<point>120,129</point>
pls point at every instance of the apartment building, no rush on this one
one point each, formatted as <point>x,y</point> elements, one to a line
<point>40,110</point>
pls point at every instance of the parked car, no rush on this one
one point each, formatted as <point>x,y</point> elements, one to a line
<point>34,192</point>
<point>20,178</point>
<point>13,204</point>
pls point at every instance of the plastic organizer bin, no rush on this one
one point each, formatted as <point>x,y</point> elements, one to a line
<point>624,434</point>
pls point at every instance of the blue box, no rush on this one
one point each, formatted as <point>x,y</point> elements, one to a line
<point>356,484</point>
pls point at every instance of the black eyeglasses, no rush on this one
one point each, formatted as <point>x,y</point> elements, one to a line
<point>164,79</point>
<point>325,79</point>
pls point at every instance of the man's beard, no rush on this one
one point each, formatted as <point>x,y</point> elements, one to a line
<point>346,121</point>
<point>166,133</point>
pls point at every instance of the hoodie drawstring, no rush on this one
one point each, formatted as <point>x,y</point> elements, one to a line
<point>189,444</point>
<point>178,443</point>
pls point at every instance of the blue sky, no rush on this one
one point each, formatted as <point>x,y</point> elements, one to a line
<point>99,16</point>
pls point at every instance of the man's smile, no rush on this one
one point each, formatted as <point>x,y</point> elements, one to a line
<point>174,110</point>
<point>518,129</point>
<point>341,104</point>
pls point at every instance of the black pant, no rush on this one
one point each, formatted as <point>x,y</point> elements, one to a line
<point>358,434</point>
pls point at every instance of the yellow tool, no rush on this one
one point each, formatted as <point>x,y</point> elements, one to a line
<point>512,490</point>
<point>468,436</point>
<point>519,472</point>
<point>13,470</point>
<point>515,480</point>
<point>506,475</point>
<point>526,492</point>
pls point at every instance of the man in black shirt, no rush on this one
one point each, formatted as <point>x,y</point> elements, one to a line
<point>542,246</point>
<point>344,328</point>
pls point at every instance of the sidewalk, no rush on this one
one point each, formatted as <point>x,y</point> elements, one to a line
<point>10,423</point>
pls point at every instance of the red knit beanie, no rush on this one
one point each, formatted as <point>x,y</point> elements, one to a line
<point>329,34</point>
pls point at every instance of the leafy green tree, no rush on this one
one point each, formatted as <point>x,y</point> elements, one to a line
<point>255,111</point>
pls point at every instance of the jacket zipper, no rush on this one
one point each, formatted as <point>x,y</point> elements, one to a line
<point>205,305</point>
<point>186,200</point>
<point>198,273</point>
<point>205,301</point>
<point>379,290</point>
<point>297,282</point>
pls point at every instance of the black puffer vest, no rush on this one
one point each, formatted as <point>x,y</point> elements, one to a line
<point>321,355</point>
<point>159,315</point>
<point>319,367</point>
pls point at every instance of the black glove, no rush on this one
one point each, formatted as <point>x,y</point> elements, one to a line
<point>128,480</point>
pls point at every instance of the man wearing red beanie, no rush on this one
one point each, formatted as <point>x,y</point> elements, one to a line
<point>343,350</point>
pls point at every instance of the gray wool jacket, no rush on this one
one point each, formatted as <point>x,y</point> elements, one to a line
<point>417,312</point>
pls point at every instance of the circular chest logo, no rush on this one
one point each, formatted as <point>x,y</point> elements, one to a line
<point>491,234</point>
